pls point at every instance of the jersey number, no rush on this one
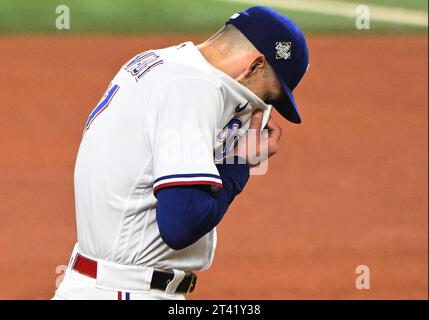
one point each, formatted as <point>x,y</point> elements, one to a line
<point>103,104</point>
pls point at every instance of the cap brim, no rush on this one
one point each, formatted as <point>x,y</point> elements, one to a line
<point>287,107</point>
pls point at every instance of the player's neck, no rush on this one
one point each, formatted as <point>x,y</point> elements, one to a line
<point>217,59</point>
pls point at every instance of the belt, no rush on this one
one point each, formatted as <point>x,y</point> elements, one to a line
<point>160,278</point>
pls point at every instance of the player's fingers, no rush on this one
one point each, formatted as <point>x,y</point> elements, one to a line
<point>256,120</point>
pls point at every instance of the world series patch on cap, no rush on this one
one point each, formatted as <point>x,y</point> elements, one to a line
<point>283,45</point>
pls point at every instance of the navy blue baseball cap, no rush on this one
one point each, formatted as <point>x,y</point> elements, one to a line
<point>283,45</point>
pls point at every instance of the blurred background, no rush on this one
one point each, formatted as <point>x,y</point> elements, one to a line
<point>347,188</point>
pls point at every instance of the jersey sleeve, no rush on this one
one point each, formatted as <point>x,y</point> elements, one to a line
<point>187,112</point>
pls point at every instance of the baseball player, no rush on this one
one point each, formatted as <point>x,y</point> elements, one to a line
<point>158,163</point>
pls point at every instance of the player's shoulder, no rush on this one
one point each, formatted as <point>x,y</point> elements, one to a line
<point>184,63</point>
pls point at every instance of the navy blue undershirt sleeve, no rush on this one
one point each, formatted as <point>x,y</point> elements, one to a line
<point>186,213</point>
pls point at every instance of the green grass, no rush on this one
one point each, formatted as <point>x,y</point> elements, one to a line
<point>160,16</point>
<point>421,5</point>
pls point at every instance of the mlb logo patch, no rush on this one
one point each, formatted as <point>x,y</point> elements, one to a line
<point>283,50</point>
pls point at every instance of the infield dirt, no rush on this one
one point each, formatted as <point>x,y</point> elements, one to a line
<point>348,187</point>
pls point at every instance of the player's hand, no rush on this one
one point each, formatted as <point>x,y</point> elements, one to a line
<point>257,146</point>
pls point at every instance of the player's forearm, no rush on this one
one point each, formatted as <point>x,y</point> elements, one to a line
<point>234,178</point>
<point>185,214</point>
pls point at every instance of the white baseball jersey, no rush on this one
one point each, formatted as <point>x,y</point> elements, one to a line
<point>155,127</point>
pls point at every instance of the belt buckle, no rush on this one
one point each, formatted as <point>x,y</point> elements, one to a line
<point>192,283</point>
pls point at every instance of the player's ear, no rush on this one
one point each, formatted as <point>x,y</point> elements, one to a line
<point>251,64</point>
<point>257,64</point>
